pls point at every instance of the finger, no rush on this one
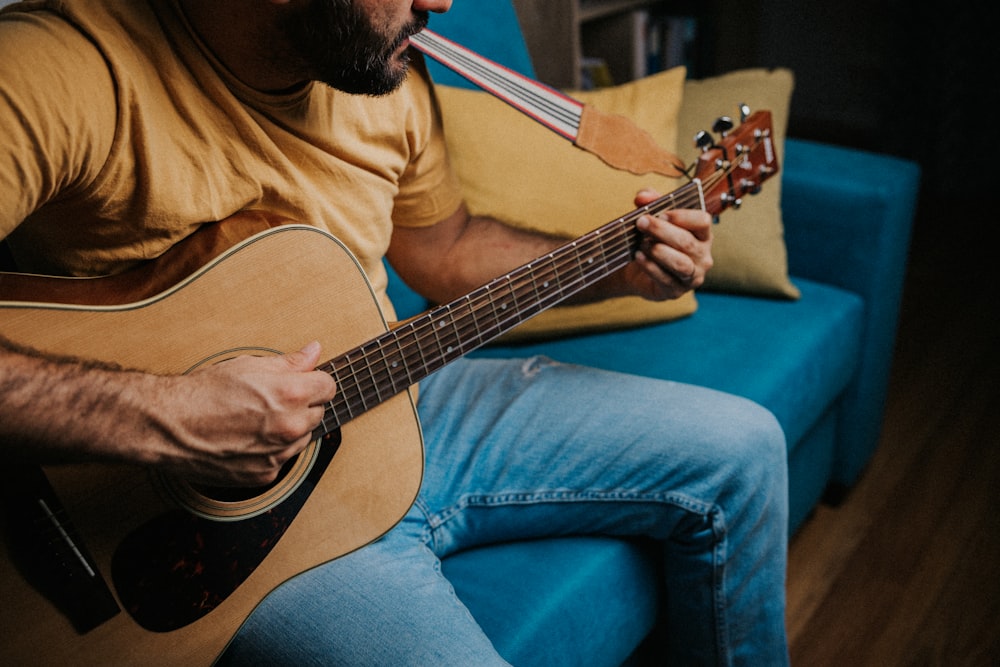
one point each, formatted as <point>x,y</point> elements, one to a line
<point>304,359</point>
<point>320,387</point>
<point>646,196</point>
<point>668,266</point>
<point>267,467</point>
<point>696,221</point>
<point>323,390</point>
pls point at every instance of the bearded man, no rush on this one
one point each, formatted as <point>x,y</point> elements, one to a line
<point>129,125</point>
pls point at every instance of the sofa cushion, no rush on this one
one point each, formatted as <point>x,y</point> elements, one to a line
<point>513,168</point>
<point>561,601</point>
<point>792,357</point>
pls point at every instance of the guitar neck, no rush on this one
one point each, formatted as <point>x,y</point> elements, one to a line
<point>379,369</point>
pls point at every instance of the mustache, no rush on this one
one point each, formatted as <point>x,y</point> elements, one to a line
<point>411,29</point>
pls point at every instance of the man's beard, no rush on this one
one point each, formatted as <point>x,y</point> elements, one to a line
<point>338,45</point>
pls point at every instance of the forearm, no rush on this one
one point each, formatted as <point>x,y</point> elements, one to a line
<point>63,410</point>
<point>498,248</point>
<point>233,423</point>
<point>453,257</point>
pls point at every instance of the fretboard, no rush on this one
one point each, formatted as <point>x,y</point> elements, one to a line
<point>386,365</point>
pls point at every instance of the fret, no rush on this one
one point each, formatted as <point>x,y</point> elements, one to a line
<point>356,391</point>
<point>458,317</point>
<point>420,348</point>
<point>438,326</point>
<point>340,400</point>
<point>399,359</point>
<point>389,368</point>
<point>557,287</point>
<point>582,279</point>
<point>370,368</point>
<point>534,284</point>
<point>511,308</point>
<point>493,307</point>
<point>357,394</point>
<point>547,281</point>
<point>456,349</point>
<point>469,298</point>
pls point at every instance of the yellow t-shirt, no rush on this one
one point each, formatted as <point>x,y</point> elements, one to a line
<point>124,134</point>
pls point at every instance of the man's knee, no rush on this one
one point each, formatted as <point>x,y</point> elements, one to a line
<point>757,453</point>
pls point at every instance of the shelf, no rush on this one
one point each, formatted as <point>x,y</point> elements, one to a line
<point>591,10</point>
<point>561,34</point>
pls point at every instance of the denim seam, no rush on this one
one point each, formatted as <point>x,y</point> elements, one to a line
<point>717,517</point>
<point>438,519</point>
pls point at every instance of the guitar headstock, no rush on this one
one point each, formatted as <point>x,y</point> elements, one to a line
<point>738,162</point>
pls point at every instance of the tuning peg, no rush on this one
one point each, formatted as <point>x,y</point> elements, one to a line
<point>703,140</point>
<point>744,112</point>
<point>749,186</point>
<point>730,200</point>
<point>723,125</point>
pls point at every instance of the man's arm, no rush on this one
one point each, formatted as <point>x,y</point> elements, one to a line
<point>234,423</point>
<point>460,253</point>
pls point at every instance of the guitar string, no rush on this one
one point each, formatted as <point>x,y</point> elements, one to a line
<point>523,281</point>
<point>367,385</point>
<point>420,331</point>
<point>456,327</point>
<point>423,327</point>
<point>423,330</point>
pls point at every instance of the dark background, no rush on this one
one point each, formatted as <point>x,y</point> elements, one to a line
<point>913,80</point>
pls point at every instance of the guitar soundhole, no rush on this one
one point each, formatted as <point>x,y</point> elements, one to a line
<point>237,494</point>
<point>179,566</point>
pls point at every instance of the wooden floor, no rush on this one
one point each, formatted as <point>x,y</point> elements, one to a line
<point>907,570</point>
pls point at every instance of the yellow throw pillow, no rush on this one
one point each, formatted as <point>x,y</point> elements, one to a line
<point>749,243</point>
<point>515,169</point>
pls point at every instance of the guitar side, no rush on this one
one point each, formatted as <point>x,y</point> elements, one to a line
<point>251,299</point>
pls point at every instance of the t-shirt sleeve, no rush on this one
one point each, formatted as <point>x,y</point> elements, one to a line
<point>57,110</point>
<point>429,190</point>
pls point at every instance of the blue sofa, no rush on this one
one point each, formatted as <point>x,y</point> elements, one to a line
<point>820,364</point>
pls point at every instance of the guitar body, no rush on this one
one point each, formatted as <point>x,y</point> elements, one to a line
<point>249,300</point>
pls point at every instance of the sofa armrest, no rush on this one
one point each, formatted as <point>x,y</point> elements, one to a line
<point>847,214</point>
<point>848,217</point>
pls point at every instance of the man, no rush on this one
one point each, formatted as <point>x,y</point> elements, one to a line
<point>130,124</point>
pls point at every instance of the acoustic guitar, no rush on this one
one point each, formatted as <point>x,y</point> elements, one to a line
<point>106,564</point>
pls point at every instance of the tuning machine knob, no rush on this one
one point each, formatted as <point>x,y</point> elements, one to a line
<point>723,125</point>
<point>703,141</point>
<point>744,112</point>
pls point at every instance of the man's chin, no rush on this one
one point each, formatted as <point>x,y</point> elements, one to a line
<point>372,86</point>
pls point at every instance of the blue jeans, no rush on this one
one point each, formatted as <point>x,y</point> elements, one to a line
<point>527,448</point>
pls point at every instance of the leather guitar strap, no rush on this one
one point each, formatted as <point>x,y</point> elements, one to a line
<point>613,138</point>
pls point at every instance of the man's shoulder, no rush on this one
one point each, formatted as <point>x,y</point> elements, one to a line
<point>99,21</point>
<point>60,26</point>
<point>44,51</point>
